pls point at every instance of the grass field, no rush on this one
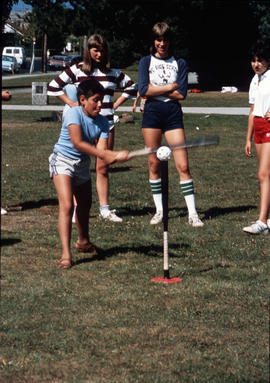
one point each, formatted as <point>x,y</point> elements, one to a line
<point>195,100</point>
<point>209,99</point>
<point>104,320</point>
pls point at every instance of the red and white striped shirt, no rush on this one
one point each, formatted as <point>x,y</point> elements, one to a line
<point>114,79</point>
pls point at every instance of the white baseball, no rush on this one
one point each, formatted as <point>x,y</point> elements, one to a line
<point>164,153</point>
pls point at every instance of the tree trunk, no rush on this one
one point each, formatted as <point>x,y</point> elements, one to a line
<point>44,52</point>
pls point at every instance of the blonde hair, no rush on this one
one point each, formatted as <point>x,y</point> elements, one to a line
<point>95,41</point>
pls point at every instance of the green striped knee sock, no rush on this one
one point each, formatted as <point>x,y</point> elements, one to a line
<point>187,189</point>
<point>157,193</point>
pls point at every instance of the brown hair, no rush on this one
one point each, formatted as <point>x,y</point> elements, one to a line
<point>159,30</point>
<point>90,87</point>
<point>95,41</point>
<point>261,51</point>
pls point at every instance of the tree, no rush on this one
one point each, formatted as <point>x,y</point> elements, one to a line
<point>48,21</point>
<point>214,36</point>
<point>126,24</point>
<point>6,9</point>
<point>261,12</point>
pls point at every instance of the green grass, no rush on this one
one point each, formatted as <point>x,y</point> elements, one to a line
<point>206,99</point>
<point>25,81</point>
<point>104,320</point>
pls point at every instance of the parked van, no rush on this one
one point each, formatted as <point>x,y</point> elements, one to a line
<point>17,52</point>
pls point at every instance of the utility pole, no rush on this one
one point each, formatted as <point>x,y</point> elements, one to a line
<point>44,45</point>
<point>33,56</point>
<point>44,52</point>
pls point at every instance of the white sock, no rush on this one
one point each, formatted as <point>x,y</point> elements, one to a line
<point>264,225</point>
<point>104,208</point>
<point>157,193</point>
<point>190,201</point>
<point>187,189</point>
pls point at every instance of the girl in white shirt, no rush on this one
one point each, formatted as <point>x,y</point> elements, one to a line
<point>259,126</point>
<point>162,79</point>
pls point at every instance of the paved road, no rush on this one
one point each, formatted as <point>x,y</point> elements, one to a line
<point>206,111</point>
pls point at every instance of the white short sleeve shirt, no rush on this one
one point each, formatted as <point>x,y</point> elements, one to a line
<point>259,94</point>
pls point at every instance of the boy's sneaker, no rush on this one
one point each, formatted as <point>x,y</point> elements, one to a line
<point>109,215</point>
<point>195,221</point>
<point>257,227</point>
<point>157,218</point>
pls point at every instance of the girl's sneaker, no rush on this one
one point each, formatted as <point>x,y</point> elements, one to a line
<point>109,215</point>
<point>157,218</point>
<point>257,227</point>
<point>195,221</point>
<point>268,223</point>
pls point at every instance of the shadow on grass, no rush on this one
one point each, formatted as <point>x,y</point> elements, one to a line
<point>213,211</point>
<point>206,269</point>
<point>54,117</point>
<point>35,204</point>
<point>130,212</point>
<point>217,211</point>
<point>138,212</point>
<point>149,251</point>
<point>175,212</point>
<point>118,169</point>
<point>9,241</point>
<point>213,267</point>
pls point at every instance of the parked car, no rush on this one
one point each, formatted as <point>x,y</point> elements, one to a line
<point>10,64</point>
<point>73,57</point>
<point>58,62</point>
<point>17,52</point>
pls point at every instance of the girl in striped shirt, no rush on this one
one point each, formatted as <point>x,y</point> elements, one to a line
<point>96,64</point>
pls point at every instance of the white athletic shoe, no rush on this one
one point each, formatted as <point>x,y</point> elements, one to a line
<point>109,215</point>
<point>257,227</point>
<point>3,211</point>
<point>195,221</point>
<point>268,223</point>
<point>157,218</point>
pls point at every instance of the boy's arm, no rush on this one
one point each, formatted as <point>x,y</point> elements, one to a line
<point>100,150</point>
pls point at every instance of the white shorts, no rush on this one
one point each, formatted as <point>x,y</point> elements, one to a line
<point>79,170</point>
